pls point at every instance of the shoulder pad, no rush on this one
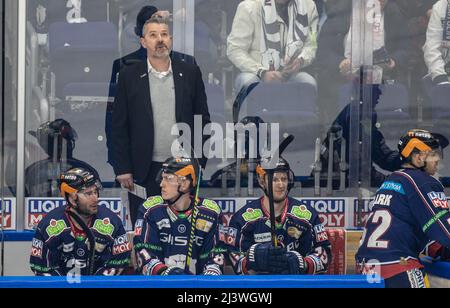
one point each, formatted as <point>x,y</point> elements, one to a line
<point>252,214</point>
<point>153,201</point>
<point>212,205</point>
<point>301,211</point>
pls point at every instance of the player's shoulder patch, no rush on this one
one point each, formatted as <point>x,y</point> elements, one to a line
<point>55,227</point>
<point>252,214</point>
<point>211,205</point>
<point>152,202</point>
<point>301,211</point>
<point>104,226</point>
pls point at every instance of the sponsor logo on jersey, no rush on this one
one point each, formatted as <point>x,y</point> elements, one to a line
<point>80,252</point>
<point>252,214</point>
<point>203,225</point>
<point>104,226</point>
<point>389,185</point>
<point>179,240</point>
<point>382,199</point>
<point>138,227</point>
<point>227,234</point>
<point>302,212</point>
<point>321,233</point>
<point>36,248</point>
<point>164,223</point>
<point>212,205</point>
<point>263,237</point>
<point>121,245</point>
<point>438,199</point>
<point>434,219</point>
<point>153,201</point>
<point>56,227</point>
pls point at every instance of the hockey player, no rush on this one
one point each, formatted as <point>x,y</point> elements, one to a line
<point>80,238</point>
<point>176,233</point>
<point>409,209</point>
<point>303,241</point>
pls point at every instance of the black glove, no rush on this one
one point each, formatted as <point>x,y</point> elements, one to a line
<point>266,258</point>
<point>297,264</point>
<point>173,270</point>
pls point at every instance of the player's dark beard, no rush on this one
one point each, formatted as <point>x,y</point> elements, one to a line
<point>81,212</point>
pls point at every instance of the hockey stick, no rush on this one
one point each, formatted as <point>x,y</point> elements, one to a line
<point>193,219</point>
<point>270,173</point>
<point>91,240</point>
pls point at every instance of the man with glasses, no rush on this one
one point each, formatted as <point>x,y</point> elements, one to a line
<point>82,237</point>
<point>409,210</point>
<point>303,246</point>
<point>176,233</point>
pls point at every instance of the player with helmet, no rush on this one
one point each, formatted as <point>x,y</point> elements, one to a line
<point>82,237</point>
<point>408,215</point>
<point>176,233</point>
<point>302,241</point>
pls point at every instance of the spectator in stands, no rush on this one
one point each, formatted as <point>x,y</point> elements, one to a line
<point>389,43</point>
<point>330,53</point>
<point>152,96</point>
<point>57,139</point>
<point>437,46</point>
<point>137,56</point>
<point>266,44</point>
<point>383,156</point>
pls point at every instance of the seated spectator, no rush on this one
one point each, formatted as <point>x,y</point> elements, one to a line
<point>57,139</point>
<point>389,37</point>
<point>266,44</point>
<point>437,45</point>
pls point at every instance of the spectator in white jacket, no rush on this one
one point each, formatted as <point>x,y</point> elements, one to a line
<point>437,46</point>
<point>273,40</point>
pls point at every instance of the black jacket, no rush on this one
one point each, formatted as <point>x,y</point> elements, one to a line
<point>132,125</point>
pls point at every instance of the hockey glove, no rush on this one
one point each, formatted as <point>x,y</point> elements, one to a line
<point>297,264</point>
<point>266,258</point>
<point>173,270</point>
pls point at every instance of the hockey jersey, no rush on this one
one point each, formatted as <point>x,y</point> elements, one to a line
<point>299,229</point>
<point>163,237</point>
<point>60,249</point>
<point>410,209</point>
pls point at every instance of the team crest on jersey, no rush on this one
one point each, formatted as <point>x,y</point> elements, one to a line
<point>301,212</point>
<point>56,227</point>
<point>438,199</point>
<point>252,214</point>
<point>104,226</point>
<point>153,201</point>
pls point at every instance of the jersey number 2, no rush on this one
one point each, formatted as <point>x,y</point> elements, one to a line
<point>374,239</point>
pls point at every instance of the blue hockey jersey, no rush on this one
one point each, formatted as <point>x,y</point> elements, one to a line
<point>409,209</point>
<point>299,229</point>
<point>162,237</point>
<point>60,249</point>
